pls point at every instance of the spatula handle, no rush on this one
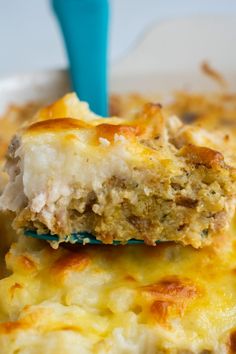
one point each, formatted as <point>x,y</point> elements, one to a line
<point>84,24</point>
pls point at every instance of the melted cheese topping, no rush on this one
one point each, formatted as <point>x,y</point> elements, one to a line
<point>118,299</point>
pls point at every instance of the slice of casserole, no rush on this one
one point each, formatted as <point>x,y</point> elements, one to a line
<point>118,179</point>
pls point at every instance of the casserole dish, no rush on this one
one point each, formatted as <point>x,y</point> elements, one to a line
<point>132,299</point>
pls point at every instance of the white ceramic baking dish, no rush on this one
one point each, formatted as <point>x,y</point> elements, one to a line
<point>166,58</point>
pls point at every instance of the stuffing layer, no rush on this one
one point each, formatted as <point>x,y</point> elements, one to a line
<point>190,208</point>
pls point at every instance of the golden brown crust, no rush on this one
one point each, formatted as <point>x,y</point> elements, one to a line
<point>170,294</point>
<point>203,156</point>
<point>108,131</point>
<point>72,262</point>
<point>11,327</point>
<point>148,123</point>
<point>172,289</point>
<point>56,125</point>
<point>232,342</point>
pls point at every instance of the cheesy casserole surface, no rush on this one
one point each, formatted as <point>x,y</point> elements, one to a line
<point>118,299</point>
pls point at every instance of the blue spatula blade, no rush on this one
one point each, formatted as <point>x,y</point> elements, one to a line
<point>80,237</point>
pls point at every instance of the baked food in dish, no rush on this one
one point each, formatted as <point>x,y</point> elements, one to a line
<point>132,299</point>
<point>117,178</point>
<point>118,299</point>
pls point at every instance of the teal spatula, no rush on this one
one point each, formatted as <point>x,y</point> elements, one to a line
<point>79,237</point>
<point>84,25</point>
